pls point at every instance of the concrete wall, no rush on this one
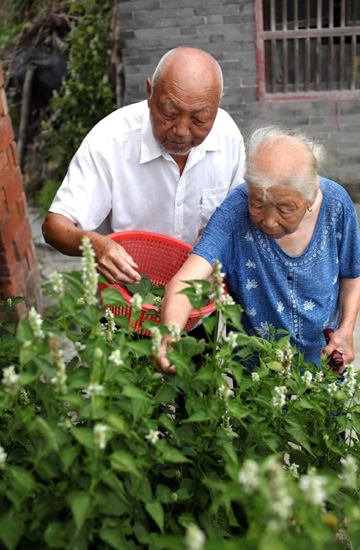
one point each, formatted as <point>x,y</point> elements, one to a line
<point>19,273</point>
<point>226,29</point>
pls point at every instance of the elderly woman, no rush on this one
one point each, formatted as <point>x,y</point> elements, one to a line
<point>288,241</point>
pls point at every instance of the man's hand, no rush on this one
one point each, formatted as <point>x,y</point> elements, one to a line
<point>113,262</point>
<point>161,362</point>
<point>341,341</point>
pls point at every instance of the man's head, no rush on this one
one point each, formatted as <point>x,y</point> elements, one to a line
<point>183,98</point>
<point>282,179</point>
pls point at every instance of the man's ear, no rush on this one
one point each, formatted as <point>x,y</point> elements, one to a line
<point>148,89</point>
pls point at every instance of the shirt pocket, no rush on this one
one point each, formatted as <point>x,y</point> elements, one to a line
<point>210,200</point>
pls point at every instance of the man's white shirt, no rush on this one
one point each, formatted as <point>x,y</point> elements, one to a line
<point>120,171</point>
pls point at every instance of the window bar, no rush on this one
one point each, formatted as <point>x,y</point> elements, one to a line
<point>330,62</point>
<point>296,47</point>
<point>341,62</point>
<point>342,13</point>
<point>331,14</point>
<point>273,48</point>
<point>354,12</point>
<point>285,47</point>
<point>307,48</point>
<point>353,62</point>
<point>318,47</point>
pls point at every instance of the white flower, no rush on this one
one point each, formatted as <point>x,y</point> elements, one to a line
<point>225,391</point>
<point>100,435</point>
<point>35,322</point>
<point>307,378</point>
<point>174,330</point>
<point>10,378</point>
<point>198,288</point>
<point>115,357</point>
<point>248,237</point>
<point>281,500</point>
<point>89,273</point>
<point>255,377</point>
<point>280,307</point>
<point>332,388</point>
<point>280,398</point>
<point>349,383</point>
<point>314,488</point>
<point>279,354</point>
<point>153,436</point>
<point>155,339</point>
<point>194,538</point>
<point>58,283</point>
<point>3,456</point>
<point>251,264</point>
<point>231,338</point>
<point>249,476</point>
<point>137,301</point>
<point>93,388</point>
<point>264,329</point>
<point>251,312</point>
<point>228,300</point>
<point>60,378</point>
<point>349,474</point>
<point>319,376</point>
<point>294,470</point>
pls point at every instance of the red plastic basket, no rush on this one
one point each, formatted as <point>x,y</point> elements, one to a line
<point>159,257</point>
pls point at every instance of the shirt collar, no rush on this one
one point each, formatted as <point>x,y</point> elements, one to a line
<point>150,148</point>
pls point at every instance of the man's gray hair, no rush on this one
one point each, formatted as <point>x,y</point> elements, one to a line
<point>306,182</point>
<point>161,66</point>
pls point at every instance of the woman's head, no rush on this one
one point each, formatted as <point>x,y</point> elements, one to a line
<point>282,179</point>
<point>277,157</point>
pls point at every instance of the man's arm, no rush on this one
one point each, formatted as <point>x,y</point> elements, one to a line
<point>175,307</point>
<point>342,338</point>
<point>113,262</point>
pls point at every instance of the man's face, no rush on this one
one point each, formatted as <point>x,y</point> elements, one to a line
<point>280,213</point>
<point>181,117</point>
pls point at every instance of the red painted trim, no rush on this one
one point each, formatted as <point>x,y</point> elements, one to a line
<point>314,96</point>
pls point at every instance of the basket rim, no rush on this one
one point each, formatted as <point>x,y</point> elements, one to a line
<point>159,236</point>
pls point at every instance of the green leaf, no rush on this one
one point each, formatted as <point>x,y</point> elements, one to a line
<point>142,288</point>
<point>24,331</point>
<point>170,454</point>
<point>124,462</point>
<point>55,535</point>
<point>113,297</point>
<point>47,432</point>
<point>23,479</point>
<point>113,536</point>
<point>11,529</point>
<point>84,436</point>
<point>202,415</point>
<point>166,393</point>
<point>155,510</point>
<point>117,422</point>
<point>80,505</point>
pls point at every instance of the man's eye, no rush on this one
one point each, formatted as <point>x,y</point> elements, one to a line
<point>198,122</point>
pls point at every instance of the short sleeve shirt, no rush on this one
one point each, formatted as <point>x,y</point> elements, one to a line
<point>298,294</point>
<point>121,173</point>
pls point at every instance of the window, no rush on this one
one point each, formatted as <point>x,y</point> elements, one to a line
<point>308,47</point>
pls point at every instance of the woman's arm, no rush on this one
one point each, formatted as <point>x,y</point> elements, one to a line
<point>176,307</point>
<point>342,338</point>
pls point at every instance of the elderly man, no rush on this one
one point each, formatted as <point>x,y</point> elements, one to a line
<point>161,165</point>
<point>288,241</point>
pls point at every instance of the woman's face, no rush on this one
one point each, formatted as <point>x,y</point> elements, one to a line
<point>280,213</point>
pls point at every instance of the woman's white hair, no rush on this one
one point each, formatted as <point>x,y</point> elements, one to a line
<point>161,67</point>
<point>306,182</point>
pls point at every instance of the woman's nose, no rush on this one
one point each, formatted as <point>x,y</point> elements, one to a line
<point>270,219</point>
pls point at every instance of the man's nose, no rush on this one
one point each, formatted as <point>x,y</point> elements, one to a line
<point>181,127</point>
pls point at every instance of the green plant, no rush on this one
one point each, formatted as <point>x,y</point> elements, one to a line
<point>99,451</point>
<point>87,93</point>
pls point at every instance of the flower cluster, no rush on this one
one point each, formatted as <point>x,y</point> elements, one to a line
<point>307,378</point>
<point>280,398</point>
<point>58,283</point>
<point>225,391</point>
<point>313,487</point>
<point>231,338</point>
<point>115,357</point>
<point>333,388</point>
<point>110,325</point>
<point>10,378</point>
<point>35,321</point>
<point>153,436</point>
<point>100,435</point>
<point>155,339</point>
<point>218,283</point>
<point>89,273</point>
<point>137,301</point>
<point>175,330</point>
<point>3,456</point>
<point>294,470</point>
<point>255,377</point>
<point>249,476</point>
<point>285,357</point>
<point>60,378</point>
<point>349,473</point>
<point>349,383</point>
<point>281,501</point>
<point>194,538</point>
<point>93,389</point>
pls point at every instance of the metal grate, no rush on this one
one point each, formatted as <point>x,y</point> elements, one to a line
<point>308,46</point>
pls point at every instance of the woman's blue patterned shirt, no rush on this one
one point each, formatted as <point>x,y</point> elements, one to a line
<point>296,293</point>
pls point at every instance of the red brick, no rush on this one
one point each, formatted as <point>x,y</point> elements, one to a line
<point>9,228</point>
<point>21,204</point>
<point>8,255</point>
<point>22,238</point>
<point>5,174</point>
<point>3,103</point>
<point>13,154</point>
<point>3,207</point>
<point>13,188</point>
<point>4,161</point>
<point>6,132</point>
<point>1,76</point>
<point>7,267</point>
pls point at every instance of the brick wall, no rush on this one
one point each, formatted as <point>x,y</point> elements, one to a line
<point>19,273</point>
<point>226,29</point>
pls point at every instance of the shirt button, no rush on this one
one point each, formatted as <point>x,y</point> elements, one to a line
<point>297,335</point>
<point>289,278</point>
<point>178,203</point>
